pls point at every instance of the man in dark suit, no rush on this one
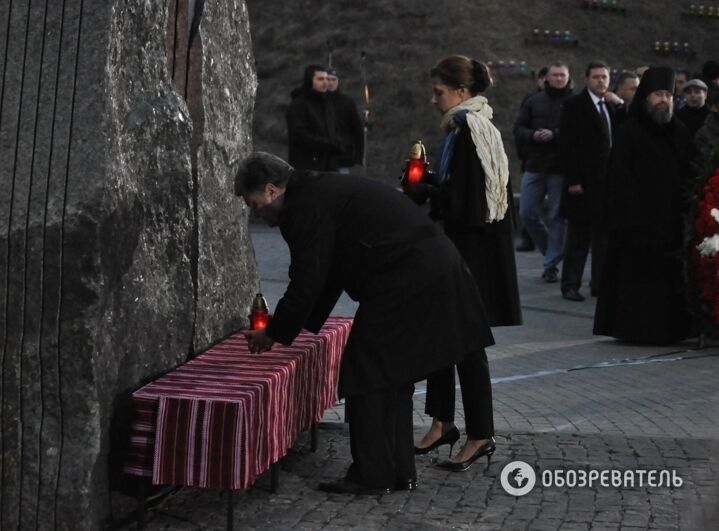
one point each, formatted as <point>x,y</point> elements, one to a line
<point>586,125</point>
<point>420,310</point>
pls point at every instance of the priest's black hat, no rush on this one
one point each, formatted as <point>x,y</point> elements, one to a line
<point>656,78</point>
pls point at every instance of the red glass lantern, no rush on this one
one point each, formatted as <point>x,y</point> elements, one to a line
<point>260,313</point>
<point>416,165</point>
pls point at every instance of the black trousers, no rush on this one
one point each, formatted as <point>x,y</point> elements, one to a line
<point>476,395</point>
<point>381,437</point>
<point>580,237</point>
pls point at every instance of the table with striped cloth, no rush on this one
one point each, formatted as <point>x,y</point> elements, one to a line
<point>225,417</point>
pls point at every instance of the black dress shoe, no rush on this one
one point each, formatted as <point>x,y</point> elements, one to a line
<point>551,275</point>
<point>525,245</point>
<point>573,295</point>
<point>487,449</point>
<point>451,437</point>
<point>347,486</point>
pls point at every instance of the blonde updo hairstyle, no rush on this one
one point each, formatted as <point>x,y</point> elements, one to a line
<point>459,71</point>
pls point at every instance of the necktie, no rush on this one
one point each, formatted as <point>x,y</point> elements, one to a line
<point>605,121</point>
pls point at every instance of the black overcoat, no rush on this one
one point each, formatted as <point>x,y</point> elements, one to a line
<point>487,248</point>
<point>641,297</point>
<point>584,152</point>
<point>312,136</point>
<point>419,309</point>
<point>350,129</point>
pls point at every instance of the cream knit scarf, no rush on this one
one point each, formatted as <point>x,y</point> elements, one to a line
<point>488,141</point>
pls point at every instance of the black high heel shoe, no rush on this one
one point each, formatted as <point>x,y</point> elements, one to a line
<point>487,449</point>
<point>451,437</point>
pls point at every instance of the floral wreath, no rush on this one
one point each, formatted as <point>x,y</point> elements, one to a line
<point>703,247</point>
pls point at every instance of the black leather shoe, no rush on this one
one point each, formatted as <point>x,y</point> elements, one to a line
<point>347,486</point>
<point>525,246</point>
<point>551,275</point>
<point>406,484</point>
<point>573,295</point>
<point>451,437</point>
<point>487,449</point>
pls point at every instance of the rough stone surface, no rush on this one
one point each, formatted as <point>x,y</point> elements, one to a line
<point>116,213</point>
<point>228,90</point>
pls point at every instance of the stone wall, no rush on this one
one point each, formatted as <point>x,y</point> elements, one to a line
<point>122,249</point>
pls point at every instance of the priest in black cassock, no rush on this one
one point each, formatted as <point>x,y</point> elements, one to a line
<point>641,296</point>
<point>419,308</point>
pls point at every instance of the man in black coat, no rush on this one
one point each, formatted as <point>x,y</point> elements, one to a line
<point>419,310</point>
<point>314,143</point>
<point>641,296</point>
<point>350,129</point>
<point>586,123</point>
<point>693,114</point>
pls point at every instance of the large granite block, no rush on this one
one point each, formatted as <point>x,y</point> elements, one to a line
<point>122,249</point>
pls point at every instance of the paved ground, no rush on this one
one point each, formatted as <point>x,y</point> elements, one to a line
<point>563,399</point>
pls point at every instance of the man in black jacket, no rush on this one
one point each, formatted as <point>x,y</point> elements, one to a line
<point>350,129</point>
<point>419,311</point>
<point>311,125</point>
<point>537,129</point>
<point>586,122</point>
<point>693,114</point>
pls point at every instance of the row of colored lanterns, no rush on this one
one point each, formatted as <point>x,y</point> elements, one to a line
<point>606,5</point>
<point>703,11</point>
<point>672,47</point>
<point>553,36</point>
<point>509,67</point>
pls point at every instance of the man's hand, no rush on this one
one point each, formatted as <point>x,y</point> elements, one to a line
<point>612,98</point>
<point>575,189</point>
<point>543,135</point>
<point>258,341</point>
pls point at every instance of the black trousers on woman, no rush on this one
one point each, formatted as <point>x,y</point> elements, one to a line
<point>381,438</point>
<point>476,395</point>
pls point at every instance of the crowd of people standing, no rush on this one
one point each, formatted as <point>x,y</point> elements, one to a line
<point>613,168</point>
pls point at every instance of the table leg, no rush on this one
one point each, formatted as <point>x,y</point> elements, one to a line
<point>313,437</point>
<point>274,477</point>
<point>230,510</point>
<point>141,495</point>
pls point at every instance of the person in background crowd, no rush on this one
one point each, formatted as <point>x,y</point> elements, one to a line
<point>682,76</point>
<point>625,86</point>
<point>537,129</point>
<point>419,308</point>
<point>641,295</point>
<point>587,126</point>
<point>311,125</point>
<point>707,137</point>
<point>349,124</point>
<point>710,74</point>
<point>472,198</point>
<point>640,70</point>
<point>526,243</point>
<point>695,111</point>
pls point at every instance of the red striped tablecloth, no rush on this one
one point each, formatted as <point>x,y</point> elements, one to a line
<point>223,418</point>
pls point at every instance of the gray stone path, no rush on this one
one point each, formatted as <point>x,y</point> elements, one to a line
<point>563,399</point>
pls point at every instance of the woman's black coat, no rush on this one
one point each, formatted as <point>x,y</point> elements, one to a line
<point>486,247</point>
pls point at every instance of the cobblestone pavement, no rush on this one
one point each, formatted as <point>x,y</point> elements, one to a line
<point>563,400</point>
